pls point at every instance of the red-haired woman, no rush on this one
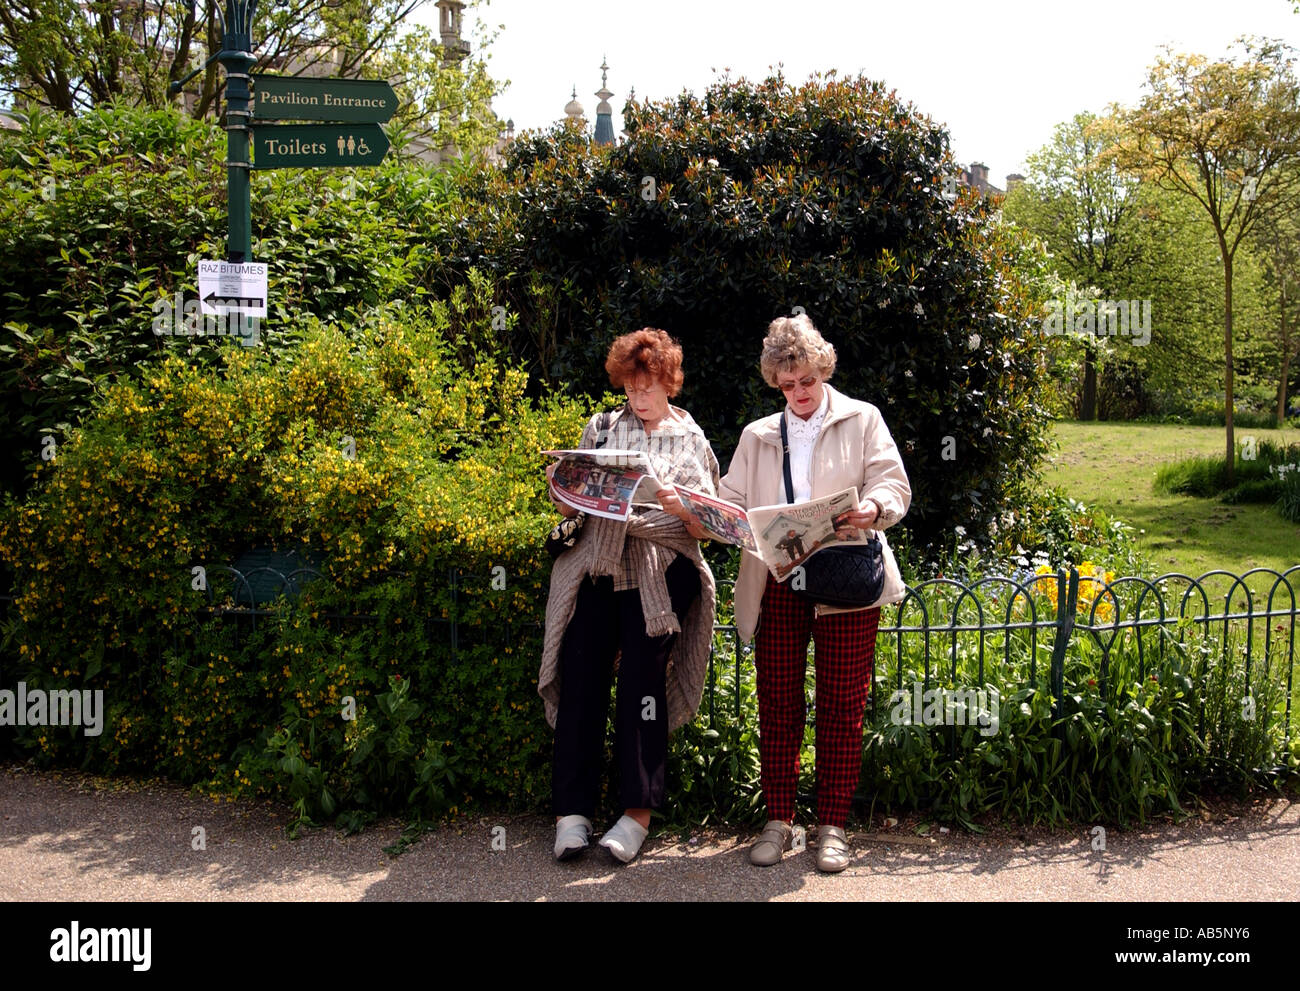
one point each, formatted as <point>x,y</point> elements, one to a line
<point>639,587</point>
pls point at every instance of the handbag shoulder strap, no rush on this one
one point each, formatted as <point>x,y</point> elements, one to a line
<point>785,462</point>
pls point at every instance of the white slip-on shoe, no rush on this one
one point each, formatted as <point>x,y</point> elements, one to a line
<point>624,839</point>
<point>572,836</point>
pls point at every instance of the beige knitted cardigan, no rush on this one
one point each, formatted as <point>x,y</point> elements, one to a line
<point>598,552</point>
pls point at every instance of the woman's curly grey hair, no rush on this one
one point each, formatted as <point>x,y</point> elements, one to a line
<point>792,342</point>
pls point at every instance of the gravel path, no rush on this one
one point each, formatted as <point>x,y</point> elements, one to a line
<point>68,838</point>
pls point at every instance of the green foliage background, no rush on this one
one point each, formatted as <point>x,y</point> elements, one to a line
<point>192,466</point>
<point>723,211</point>
<point>446,327</point>
<point>106,214</point>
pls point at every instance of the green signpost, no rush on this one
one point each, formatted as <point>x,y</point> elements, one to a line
<point>360,105</point>
<point>287,146</point>
<point>357,101</point>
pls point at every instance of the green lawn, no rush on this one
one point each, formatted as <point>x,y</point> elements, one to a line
<point>1112,466</point>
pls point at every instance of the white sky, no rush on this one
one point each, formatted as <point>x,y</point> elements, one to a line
<point>1001,75</point>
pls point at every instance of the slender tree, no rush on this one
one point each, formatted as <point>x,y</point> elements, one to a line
<point>1276,238</point>
<point>1224,133</point>
<point>1084,209</point>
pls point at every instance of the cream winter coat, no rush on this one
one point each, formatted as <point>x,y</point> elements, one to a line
<point>854,448</point>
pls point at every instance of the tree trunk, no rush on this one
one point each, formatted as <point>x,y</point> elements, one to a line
<point>1227,362</point>
<point>181,58</point>
<point>211,77</point>
<point>1088,405</point>
<point>1286,363</point>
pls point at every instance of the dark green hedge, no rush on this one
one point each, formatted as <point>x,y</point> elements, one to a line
<point>104,214</point>
<point>724,211</point>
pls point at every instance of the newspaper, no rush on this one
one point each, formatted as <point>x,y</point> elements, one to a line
<point>784,535</point>
<point>725,521</point>
<point>605,482</point>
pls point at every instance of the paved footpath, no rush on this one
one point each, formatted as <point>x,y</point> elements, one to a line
<point>64,838</point>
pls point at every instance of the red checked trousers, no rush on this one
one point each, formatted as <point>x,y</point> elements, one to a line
<point>845,649</point>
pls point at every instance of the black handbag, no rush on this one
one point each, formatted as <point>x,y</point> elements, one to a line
<point>846,577</point>
<point>564,535</point>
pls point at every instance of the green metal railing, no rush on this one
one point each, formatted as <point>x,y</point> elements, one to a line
<point>1117,612</point>
<point>942,628</point>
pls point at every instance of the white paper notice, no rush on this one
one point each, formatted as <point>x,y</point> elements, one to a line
<point>232,286</point>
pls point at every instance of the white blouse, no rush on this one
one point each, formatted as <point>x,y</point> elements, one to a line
<point>802,434</point>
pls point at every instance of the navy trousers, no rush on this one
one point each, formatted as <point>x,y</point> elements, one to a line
<point>605,622</point>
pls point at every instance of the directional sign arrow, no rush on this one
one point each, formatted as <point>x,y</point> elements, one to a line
<point>360,101</point>
<point>286,146</point>
<point>232,302</point>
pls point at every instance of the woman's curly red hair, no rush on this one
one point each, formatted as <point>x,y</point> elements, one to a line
<point>646,353</point>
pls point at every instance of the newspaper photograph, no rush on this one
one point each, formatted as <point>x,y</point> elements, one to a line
<point>604,482</point>
<point>790,533</point>
<point>725,521</point>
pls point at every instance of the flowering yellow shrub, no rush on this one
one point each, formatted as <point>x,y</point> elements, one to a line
<point>379,456</point>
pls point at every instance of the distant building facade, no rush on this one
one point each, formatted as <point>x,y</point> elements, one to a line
<point>977,178</point>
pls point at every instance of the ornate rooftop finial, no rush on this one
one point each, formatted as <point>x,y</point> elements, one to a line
<point>604,134</point>
<point>573,108</point>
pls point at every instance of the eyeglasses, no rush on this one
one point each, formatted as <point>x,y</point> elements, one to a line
<point>804,383</point>
<point>657,387</point>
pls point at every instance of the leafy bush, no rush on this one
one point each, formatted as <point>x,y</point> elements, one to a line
<point>713,767</point>
<point>724,211</point>
<point>1258,413</point>
<point>1238,709</point>
<point>1136,731</point>
<point>1053,529</point>
<point>105,214</point>
<point>1139,729</point>
<point>417,486</point>
<point>1288,501</point>
<point>1254,490</point>
<point>1121,391</point>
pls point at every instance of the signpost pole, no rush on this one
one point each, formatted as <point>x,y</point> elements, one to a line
<point>239,285</point>
<point>237,58</point>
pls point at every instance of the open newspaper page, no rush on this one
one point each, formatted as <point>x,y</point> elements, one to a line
<point>725,521</point>
<point>605,482</point>
<point>790,533</point>
<point>784,536</point>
